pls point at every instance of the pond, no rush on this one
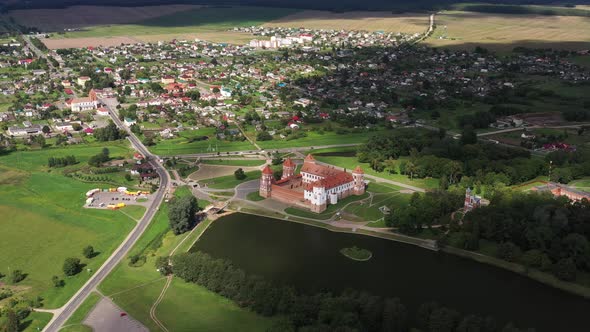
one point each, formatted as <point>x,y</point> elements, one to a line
<point>309,258</point>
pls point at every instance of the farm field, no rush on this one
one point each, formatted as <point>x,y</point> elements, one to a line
<point>503,32</point>
<point>358,20</point>
<point>204,23</point>
<point>85,16</point>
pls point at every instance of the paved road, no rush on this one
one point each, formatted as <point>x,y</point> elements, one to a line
<point>37,51</point>
<point>69,308</point>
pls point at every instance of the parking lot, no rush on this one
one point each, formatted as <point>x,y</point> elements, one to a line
<point>103,199</point>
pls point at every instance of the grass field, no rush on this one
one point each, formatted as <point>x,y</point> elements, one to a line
<point>203,23</point>
<point>316,139</point>
<point>330,210</point>
<point>358,20</point>
<point>38,209</point>
<point>582,184</point>
<point>85,16</point>
<point>351,163</point>
<point>239,162</point>
<point>230,181</point>
<point>503,32</point>
<point>183,145</point>
<point>36,321</point>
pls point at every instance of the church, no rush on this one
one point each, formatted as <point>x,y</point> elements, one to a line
<point>315,187</point>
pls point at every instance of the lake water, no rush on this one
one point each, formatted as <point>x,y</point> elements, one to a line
<point>308,258</point>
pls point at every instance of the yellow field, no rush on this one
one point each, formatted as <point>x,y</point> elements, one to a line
<point>504,32</point>
<point>84,16</point>
<point>370,21</point>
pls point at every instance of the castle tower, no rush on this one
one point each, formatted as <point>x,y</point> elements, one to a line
<point>309,159</point>
<point>288,169</point>
<point>359,181</point>
<point>467,205</point>
<point>266,182</point>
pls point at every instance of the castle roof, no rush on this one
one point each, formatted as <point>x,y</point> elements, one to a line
<point>309,157</point>
<point>289,163</point>
<point>267,170</point>
<point>332,181</point>
<point>358,170</point>
<point>320,170</point>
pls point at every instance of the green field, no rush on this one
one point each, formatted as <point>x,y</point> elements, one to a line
<point>227,162</point>
<point>315,138</point>
<point>133,211</point>
<point>230,181</point>
<point>351,163</point>
<point>582,184</point>
<point>254,196</point>
<point>370,211</point>
<point>183,145</point>
<point>38,211</point>
<point>40,206</point>
<point>330,210</point>
<point>191,21</point>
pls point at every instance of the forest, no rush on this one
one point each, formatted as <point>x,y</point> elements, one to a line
<point>537,230</point>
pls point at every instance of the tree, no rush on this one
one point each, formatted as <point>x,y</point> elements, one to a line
<point>239,174</point>
<point>468,135</point>
<point>12,321</point>
<point>76,126</point>
<point>72,266</point>
<point>88,252</point>
<point>57,282</point>
<point>565,269</point>
<point>163,265</point>
<point>395,316</point>
<point>46,129</point>
<point>181,214</point>
<point>16,276</point>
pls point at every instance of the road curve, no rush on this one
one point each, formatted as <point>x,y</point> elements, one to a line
<point>69,308</point>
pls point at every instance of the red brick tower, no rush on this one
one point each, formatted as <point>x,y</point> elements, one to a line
<point>266,182</point>
<point>359,181</point>
<point>288,169</point>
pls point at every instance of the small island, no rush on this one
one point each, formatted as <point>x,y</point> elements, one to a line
<point>356,253</point>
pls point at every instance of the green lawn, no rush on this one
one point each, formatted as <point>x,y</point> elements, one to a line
<point>133,211</point>
<point>36,321</point>
<point>582,184</point>
<point>190,21</point>
<point>314,138</point>
<point>352,162</point>
<point>371,212</point>
<point>227,162</point>
<point>183,144</point>
<point>230,181</point>
<point>330,210</point>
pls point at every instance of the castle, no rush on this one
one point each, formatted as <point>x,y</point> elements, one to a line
<point>314,187</point>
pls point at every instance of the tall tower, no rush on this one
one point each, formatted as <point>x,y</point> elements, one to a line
<point>359,181</point>
<point>288,169</point>
<point>309,159</point>
<point>266,182</point>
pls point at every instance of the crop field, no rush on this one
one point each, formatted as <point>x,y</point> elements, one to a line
<point>85,16</point>
<point>200,22</point>
<point>368,21</point>
<point>503,32</point>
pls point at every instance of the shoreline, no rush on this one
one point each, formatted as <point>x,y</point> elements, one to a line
<point>536,275</point>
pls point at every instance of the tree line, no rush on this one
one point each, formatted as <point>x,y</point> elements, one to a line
<point>61,162</point>
<point>349,310</point>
